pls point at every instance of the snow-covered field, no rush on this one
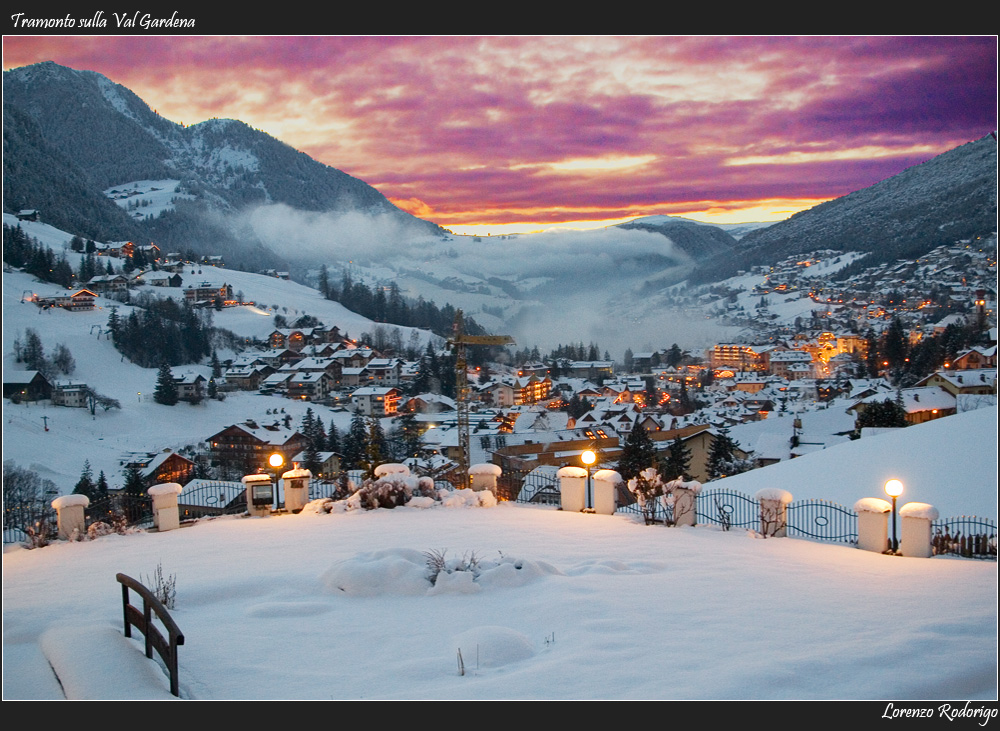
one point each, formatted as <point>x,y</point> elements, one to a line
<point>568,606</point>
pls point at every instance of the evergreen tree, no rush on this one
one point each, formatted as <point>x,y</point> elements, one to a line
<point>85,485</point>
<point>887,413</point>
<point>355,443</point>
<point>102,485</point>
<point>166,390</point>
<point>333,438</point>
<point>409,435</point>
<point>678,461</point>
<point>722,458</point>
<point>135,483</point>
<point>33,353</point>
<point>638,453</point>
<point>376,447</point>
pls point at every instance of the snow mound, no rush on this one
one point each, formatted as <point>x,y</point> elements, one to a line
<point>97,662</point>
<point>468,498</point>
<point>492,646</point>
<point>405,572</point>
<point>391,571</point>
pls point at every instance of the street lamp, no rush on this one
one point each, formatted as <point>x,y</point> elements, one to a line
<point>588,458</point>
<point>276,460</point>
<point>894,488</point>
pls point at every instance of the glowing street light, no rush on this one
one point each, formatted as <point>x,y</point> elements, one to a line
<point>894,488</point>
<point>588,458</point>
<point>276,460</point>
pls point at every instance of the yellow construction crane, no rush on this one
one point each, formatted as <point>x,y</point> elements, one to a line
<point>458,341</point>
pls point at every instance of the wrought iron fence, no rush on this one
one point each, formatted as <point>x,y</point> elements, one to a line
<point>823,520</point>
<point>120,510</point>
<point>966,536</point>
<point>728,509</point>
<point>528,487</point>
<point>203,498</point>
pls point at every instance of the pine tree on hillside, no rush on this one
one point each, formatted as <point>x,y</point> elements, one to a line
<point>166,390</point>
<point>333,438</point>
<point>376,448</point>
<point>678,461</point>
<point>355,442</point>
<point>638,453</point>
<point>722,458</point>
<point>85,485</point>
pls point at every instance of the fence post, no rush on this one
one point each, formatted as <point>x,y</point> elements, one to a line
<point>606,491</point>
<point>70,514</point>
<point>166,515</point>
<point>773,511</point>
<point>484,476</point>
<point>572,488</point>
<point>916,532</point>
<point>296,485</point>
<point>873,524</point>
<point>685,495</point>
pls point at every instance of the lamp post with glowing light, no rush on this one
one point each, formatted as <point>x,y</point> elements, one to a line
<point>275,461</point>
<point>894,488</point>
<point>588,458</point>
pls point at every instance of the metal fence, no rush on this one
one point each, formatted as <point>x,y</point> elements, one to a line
<point>120,510</point>
<point>728,509</point>
<point>822,520</point>
<point>966,536</point>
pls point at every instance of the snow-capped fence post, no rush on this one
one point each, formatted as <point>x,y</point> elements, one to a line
<point>296,487</point>
<point>773,511</point>
<point>606,491</point>
<point>70,515</point>
<point>685,497</point>
<point>166,514</point>
<point>484,476</point>
<point>916,530</point>
<point>873,524</point>
<point>260,494</point>
<point>572,488</point>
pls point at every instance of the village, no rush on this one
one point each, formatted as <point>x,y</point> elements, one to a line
<point>919,336</point>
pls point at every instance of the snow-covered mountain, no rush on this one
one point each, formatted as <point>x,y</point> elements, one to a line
<point>949,197</point>
<point>73,140</point>
<point>90,130</point>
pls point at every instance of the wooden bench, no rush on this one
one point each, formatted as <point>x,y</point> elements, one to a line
<point>142,620</point>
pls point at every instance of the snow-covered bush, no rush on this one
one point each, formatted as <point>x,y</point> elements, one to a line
<point>647,486</point>
<point>99,529</point>
<point>391,490</point>
<point>438,563</point>
<point>650,489</point>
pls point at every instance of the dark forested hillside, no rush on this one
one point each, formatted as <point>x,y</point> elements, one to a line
<point>69,135</point>
<point>950,197</point>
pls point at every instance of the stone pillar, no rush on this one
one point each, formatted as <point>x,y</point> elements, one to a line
<point>166,515</point>
<point>873,524</point>
<point>572,488</point>
<point>70,512</point>
<point>773,511</point>
<point>484,476</point>
<point>260,494</point>
<point>685,502</point>
<point>606,491</point>
<point>296,487</point>
<point>915,537</point>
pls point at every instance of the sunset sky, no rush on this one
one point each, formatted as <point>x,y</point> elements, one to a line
<point>494,134</point>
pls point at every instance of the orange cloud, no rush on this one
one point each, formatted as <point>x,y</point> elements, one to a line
<point>413,205</point>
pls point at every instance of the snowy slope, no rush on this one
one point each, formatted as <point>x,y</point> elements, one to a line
<point>950,463</point>
<point>337,607</point>
<point>75,436</point>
